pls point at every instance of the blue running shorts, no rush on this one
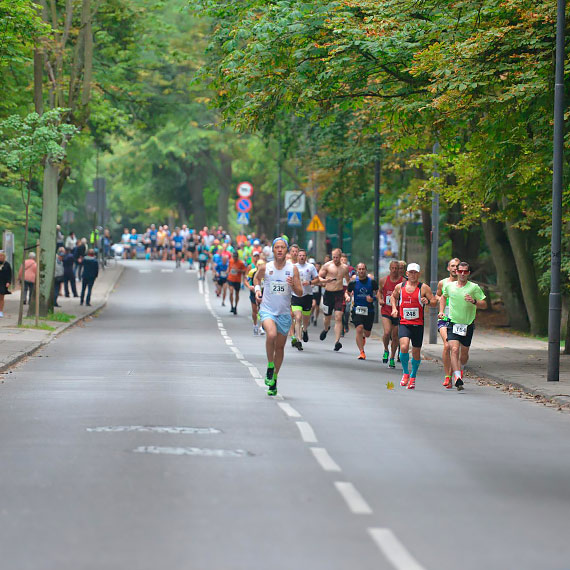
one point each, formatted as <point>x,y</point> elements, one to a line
<point>283,322</point>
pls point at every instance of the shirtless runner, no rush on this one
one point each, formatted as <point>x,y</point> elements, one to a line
<point>332,275</point>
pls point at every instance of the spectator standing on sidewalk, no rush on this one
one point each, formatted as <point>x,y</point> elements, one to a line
<point>28,280</point>
<point>79,253</point>
<point>70,241</point>
<point>59,274</point>
<point>90,273</point>
<point>5,280</point>
<point>68,275</point>
<point>59,237</point>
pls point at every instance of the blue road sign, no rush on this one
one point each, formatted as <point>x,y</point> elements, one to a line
<point>243,205</point>
<point>294,219</point>
<point>243,218</point>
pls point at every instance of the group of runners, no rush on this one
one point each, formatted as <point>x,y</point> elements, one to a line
<point>286,289</point>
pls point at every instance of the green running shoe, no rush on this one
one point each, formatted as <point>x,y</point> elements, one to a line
<point>269,380</point>
<point>391,364</point>
<point>272,390</point>
<point>385,356</point>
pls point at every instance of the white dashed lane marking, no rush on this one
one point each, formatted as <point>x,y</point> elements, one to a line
<point>289,410</point>
<point>394,550</point>
<point>324,459</point>
<point>307,432</point>
<point>353,498</point>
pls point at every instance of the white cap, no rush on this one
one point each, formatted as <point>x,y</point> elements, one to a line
<point>312,260</point>
<point>255,253</point>
<point>413,267</point>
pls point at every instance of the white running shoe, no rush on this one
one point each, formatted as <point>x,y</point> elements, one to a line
<point>255,330</point>
<point>261,331</point>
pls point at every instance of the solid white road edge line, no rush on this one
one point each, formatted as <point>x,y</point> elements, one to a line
<point>394,550</point>
<point>307,432</point>
<point>353,498</point>
<point>290,410</point>
<point>324,459</point>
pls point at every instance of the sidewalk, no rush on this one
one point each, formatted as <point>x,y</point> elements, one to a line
<point>509,359</point>
<point>16,343</point>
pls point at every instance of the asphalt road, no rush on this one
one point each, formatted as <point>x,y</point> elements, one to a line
<point>145,440</point>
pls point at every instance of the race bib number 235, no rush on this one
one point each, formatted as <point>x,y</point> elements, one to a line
<point>279,288</point>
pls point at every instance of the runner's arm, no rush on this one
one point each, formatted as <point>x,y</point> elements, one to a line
<point>393,297</point>
<point>296,283</point>
<point>442,300</point>
<point>427,294</point>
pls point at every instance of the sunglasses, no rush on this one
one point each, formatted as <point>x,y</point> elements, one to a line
<point>463,271</point>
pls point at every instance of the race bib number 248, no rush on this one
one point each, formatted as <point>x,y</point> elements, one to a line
<point>411,314</point>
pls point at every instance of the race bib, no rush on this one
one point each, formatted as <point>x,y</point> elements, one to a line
<point>411,314</point>
<point>279,288</point>
<point>316,288</point>
<point>233,271</point>
<point>460,330</point>
<point>359,310</point>
<point>223,273</point>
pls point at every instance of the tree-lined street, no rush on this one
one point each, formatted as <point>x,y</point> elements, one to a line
<point>99,472</point>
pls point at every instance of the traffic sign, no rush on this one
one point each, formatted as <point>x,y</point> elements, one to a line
<point>294,201</point>
<point>243,205</point>
<point>315,225</point>
<point>243,218</point>
<point>244,190</point>
<point>293,219</point>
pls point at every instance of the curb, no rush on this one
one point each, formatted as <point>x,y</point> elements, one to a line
<point>560,400</point>
<point>65,326</point>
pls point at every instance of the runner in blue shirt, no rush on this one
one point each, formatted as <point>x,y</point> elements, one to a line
<point>178,242</point>
<point>203,256</point>
<point>221,272</point>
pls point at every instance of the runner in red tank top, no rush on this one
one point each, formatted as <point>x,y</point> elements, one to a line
<point>413,296</point>
<point>387,285</point>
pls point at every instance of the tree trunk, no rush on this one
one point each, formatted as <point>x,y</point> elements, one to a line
<point>426,224</point>
<point>507,278</point>
<point>465,243</point>
<point>535,303</point>
<point>48,237</point>
<point>225,189</point>
<point>195,186</point>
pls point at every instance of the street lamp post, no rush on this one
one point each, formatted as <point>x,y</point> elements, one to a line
<point>555,300</point>
<point>376,229</point>
<point>434,254</point>
<point>279,182</point>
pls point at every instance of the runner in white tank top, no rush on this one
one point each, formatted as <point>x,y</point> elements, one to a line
<point>280,280</point>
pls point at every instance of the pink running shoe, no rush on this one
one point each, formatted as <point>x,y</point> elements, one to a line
<point>405,379</point>
<point>412,384</point>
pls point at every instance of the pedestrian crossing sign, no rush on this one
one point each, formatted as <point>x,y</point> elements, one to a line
<point>315,225</point>
<point>293,219</point>
<point>243,218</point>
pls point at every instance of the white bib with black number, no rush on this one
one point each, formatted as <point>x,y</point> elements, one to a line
<point>411,314</point>
<point>279,288</point>
<point>223,273</point>
<point>359,310</point>
<point>459,329</point>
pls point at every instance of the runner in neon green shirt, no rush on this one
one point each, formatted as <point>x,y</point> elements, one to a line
<point>465,297</point>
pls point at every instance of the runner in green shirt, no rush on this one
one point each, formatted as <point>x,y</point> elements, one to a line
<point>465,297</point>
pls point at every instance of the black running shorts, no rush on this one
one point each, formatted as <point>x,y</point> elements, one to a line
<point>414,332</point>
<point>464,340</point>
